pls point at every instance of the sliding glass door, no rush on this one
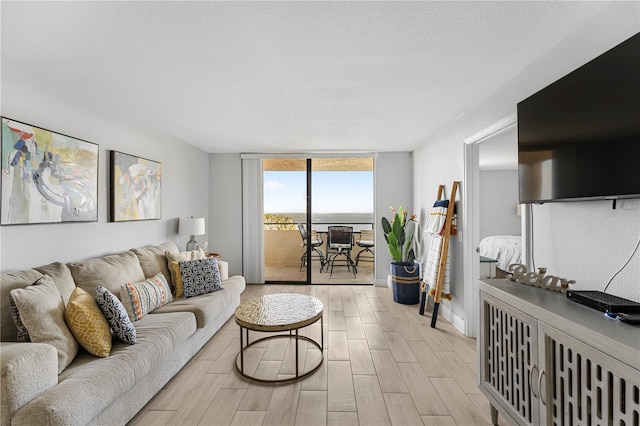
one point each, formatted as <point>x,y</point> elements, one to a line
<point>302,198</point>
<point>285,219</point>
<point>342,191</point>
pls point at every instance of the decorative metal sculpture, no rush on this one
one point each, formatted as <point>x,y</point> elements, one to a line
<point>519,274</point>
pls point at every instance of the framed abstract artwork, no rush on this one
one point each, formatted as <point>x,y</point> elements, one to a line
<point>135,188</point>
<point>47,177</point>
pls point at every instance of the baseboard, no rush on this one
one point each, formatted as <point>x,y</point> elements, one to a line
<point>450,316</point>
<point>380,282</point>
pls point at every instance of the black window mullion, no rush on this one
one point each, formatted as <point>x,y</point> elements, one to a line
<point>309,245</point>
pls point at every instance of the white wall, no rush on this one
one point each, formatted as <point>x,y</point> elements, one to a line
<point>185,170</point>
<point>440,158</point>
<point>498,201</point>
<point>440,161</point>
<point>393,187</point>
<point>589,242</point>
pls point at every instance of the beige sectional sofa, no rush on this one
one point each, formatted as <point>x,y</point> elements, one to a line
<point>111,390</point>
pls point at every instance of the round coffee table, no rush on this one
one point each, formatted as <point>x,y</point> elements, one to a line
<point>279,312</point>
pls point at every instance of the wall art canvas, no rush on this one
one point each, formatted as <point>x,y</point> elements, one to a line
<point>136,188</point>
<point>47,177</point>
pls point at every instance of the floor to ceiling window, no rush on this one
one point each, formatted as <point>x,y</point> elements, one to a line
<point>314,194</point>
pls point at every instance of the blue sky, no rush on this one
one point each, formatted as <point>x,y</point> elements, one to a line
<point>333,191</point>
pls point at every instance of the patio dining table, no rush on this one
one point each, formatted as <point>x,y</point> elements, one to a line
<point>324,230</point>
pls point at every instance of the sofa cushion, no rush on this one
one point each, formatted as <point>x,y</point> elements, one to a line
<point>143,297</point>
<point>207,306</point>
<point>153,259</point>
<point>27,371</point>
<point>88,324</point>
<point>173,259</point>
<point>116,315</point>
<point>42,312</point>
<point>61,276</point>
<point>104,380</point>
<point>156,336</point>
<point>109,272</point>
<point>10,281</point>
<point>200,276</point>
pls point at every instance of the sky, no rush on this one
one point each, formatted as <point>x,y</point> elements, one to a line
<point>333,191</point>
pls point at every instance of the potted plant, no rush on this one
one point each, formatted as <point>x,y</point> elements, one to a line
<point>404,273</point>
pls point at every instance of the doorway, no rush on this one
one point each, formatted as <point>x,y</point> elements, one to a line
<point>471,217</point>
<point>302,198</point>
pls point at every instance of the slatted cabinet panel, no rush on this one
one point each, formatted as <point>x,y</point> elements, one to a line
<point>585,386</point>
<point>545,360</point>
<point>509,356</point>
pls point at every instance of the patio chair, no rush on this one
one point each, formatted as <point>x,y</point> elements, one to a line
<point>340,241</point>
<point>316,241</point>
<point>366,242</point>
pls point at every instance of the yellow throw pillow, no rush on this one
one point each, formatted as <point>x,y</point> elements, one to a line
<point>177,283</point>
<point>88,324</point>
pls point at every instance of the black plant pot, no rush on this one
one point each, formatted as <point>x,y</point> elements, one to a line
<point>405,282</point>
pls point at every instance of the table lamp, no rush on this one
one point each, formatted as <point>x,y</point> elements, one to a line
<point>191,226</point>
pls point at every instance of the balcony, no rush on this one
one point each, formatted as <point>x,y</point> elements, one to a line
<point>283,249</point>
<point>336,191</point>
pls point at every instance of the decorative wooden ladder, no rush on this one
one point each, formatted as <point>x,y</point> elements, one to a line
<point>447,232</point>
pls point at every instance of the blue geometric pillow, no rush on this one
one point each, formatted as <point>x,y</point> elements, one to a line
<point>116,315</point>
<point>200,276</point>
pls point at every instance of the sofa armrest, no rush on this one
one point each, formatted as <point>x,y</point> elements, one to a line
<point>224,270</point>
<point>26,371</point>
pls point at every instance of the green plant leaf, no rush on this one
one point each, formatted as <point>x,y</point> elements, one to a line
<point>411,256</point>
<point>394,248</point>
<point>398,230</point>
<point>410,230</point>
<point>386,226</point>
<point>396,254</point>
<point>400,215</point>
<point>399,239</point>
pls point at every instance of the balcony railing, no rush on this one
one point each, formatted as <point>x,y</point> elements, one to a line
<point>283,244</point>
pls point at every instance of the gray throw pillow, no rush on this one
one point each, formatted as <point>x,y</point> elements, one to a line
<point>200,276</point>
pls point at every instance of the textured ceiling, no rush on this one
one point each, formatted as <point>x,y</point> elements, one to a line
<point>282,76</point>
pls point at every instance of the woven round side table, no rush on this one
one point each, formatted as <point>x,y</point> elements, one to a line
<point>274,313</point>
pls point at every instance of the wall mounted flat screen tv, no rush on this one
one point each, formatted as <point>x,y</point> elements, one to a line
<point>579,138</point>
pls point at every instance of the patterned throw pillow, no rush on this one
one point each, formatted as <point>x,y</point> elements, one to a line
<point>200,276</point>
<point>88,324</point>
<point>174,270</point>
<point>141,298</point>
<point>23,333</point>
<point>116,315</point>
<point>41,309</point>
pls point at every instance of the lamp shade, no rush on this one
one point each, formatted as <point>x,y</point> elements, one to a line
<point>191,226</point>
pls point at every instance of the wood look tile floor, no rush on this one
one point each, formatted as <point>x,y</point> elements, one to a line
<point>383,365</point>
<point>339,276</point>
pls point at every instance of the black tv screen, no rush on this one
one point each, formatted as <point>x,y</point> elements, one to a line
<point>579,138</point>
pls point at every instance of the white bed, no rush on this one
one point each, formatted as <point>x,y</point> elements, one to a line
<point>505,249</point>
